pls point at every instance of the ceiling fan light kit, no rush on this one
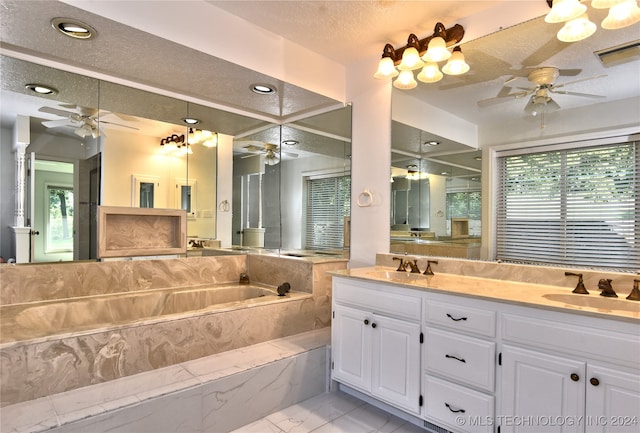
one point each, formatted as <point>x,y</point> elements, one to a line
<point>425,54</point>
<point>622,13</point>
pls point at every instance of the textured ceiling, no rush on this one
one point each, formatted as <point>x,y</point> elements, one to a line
<point>345,31</point>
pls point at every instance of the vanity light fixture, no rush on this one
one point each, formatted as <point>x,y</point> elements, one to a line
<point>73,28</point>
<point>41,89</point>
<point>423,53</point>
<point>172,143</point>
<point>207,138</point>
<point>622,13</point>
<point>263,89</point>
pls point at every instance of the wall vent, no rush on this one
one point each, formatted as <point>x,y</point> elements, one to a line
<point>619,54</point>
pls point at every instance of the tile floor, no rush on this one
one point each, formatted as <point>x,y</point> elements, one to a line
<point>334,412</point>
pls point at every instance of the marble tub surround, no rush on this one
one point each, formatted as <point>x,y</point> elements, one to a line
<point>548,275</point>
<point>59,362</point>
<point>210,394</point>
<point>42,282</point>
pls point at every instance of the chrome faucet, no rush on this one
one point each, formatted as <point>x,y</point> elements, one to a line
<point>429,271</point>
<point>607,289</point>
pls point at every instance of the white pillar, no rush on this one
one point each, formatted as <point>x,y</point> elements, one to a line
<point>22,233</point>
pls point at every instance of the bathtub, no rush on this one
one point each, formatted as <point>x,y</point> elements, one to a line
<point>57,345</point>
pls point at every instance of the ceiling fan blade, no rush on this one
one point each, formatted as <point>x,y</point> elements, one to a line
<point>568,83</point>
<point>56,111</point>
<point>56,123</point>
<point>118,124</point>
<point>289,154</point>
<point>569,72</point>
<point>586,95</point>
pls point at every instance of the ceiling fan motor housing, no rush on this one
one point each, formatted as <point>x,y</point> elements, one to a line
<point>544,76</point>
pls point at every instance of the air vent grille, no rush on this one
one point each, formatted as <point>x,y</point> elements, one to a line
<point>619,54</point>
<point>435,428</point>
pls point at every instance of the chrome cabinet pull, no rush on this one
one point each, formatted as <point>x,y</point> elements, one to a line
<point>454,319</point>
<point>453,410</point>
<point>455,357</point>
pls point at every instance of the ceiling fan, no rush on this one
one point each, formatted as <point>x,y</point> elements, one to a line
<point>84,120</point>
<point>270,151</point>
<point>543,80</point>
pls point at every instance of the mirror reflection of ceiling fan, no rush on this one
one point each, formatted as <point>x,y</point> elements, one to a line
<point>271,151</point>
<point>543,80</point>
<point>84,121</point>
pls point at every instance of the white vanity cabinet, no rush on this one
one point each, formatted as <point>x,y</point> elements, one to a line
<point>376,341</point>
<point>459,363</point>
<point>569,374</point>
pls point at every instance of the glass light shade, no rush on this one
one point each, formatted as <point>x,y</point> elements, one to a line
<point>436,51</point>
<point>430,73</point>
<point>386,68</point>
<point>565,10</point>
<point>410,60</point>
<point>405,81</point>
<point>604,4</point>
<point>577,29</point>
<point>194,136</point>
<point>456,64</point>
<point>541,105</point>
<point>271,159</point>
<point>622,15</point>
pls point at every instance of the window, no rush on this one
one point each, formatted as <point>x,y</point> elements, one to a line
<point>328,202</point>
<point>576,207</point>
<point>466,205</point>
<point>59,236</point>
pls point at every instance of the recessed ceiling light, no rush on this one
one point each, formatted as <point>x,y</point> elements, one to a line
<point>263,89</point>
<point>289,142</point>
<point>41,90</point>
<point>191,120</point>
<point>478,158</point>
<point>431,143</point>
<point>444,173</point>
<point>73,28</point>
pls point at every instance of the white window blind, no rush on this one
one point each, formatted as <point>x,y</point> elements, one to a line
<point>577,207</point>
<point>328,201</point>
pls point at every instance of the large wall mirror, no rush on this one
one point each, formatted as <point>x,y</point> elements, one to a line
<point>435,194</point>
<point>292,186</point>
<point>93,142</point>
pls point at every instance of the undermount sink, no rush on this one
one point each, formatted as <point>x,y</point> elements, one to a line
<point>595,301</point>
<point>396,275</point>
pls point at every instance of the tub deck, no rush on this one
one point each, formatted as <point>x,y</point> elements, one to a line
<point>49,319</point>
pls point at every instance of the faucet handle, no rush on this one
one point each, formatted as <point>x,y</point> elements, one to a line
<point>635,292</point>
<point>580,288</point>
<point>402,265</point>
<point>414,266</point>
<point>429,271</point>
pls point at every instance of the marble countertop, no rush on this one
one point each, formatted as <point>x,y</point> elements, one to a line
<point>513,292</point>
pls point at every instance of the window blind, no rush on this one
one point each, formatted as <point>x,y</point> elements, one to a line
<point>328,201</point>
<point>576,207</point>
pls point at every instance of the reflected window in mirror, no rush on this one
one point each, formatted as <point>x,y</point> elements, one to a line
<point>328,206</point>
<point>146,194</point>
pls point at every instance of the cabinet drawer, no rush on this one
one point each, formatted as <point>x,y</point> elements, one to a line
<point>456,407</point>
<point>561,337</point>
<point>461,318</point>
<point>465,359</point>
<point>378,299</point>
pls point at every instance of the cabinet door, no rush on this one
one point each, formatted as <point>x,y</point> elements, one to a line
<point>541,393</point>
<point>396,362</point>
<point>613,401</point>
<point>351,347</point>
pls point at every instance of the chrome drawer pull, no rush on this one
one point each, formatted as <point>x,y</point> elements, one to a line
<point>455,357</point>
<point>454,319</point>
<point>454,410</point>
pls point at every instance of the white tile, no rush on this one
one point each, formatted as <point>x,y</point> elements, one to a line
<point>30,416</point>
<point>305,341</point>
<point>314,412</point>
<point>365,419</point>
